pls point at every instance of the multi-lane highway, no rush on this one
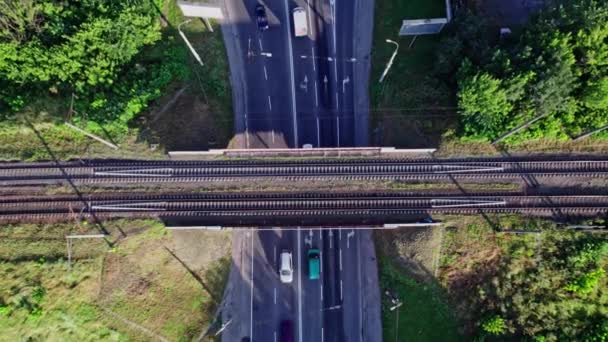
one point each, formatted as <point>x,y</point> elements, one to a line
<point>324,309</point>
<point>291,91</point>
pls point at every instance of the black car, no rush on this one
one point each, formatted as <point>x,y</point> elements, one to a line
<point>286,331</point>
<point>260,12</point>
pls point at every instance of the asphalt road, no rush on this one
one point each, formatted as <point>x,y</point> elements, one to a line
<point>289,91</point>
<point>293,90</point>
<point>333,308</point>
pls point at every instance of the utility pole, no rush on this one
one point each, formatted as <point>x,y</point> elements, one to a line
<point>194,53</point>
<point>390,61</point>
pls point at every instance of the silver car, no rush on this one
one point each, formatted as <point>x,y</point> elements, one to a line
<point>286,267</point>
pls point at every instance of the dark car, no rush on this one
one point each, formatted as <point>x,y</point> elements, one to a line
<point>286,331</point>
<point>260,12</point>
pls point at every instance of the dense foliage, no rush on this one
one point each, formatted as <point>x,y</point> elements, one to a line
<point>556,292</point>
<point>557,69</point>
<point>109,54</point>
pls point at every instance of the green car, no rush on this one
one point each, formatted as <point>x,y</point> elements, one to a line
<point>314,263</point>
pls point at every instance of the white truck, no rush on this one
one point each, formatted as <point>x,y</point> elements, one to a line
<point>300,25</point>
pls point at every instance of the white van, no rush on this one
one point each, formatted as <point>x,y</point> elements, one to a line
<point>300,25</point>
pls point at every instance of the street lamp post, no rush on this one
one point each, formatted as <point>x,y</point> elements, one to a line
<point>194,53</point>
<point>390,61</point>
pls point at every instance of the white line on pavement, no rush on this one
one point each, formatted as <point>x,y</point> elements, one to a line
<point>275,336</point>
<point>337,101</point>
<point>251,299</point>
<point>340,234</point>
<point>272,133</point>
<point>341,282</point>
<point>321,264</point>
<point>338,128</point>
<point>358,240</point>
<point>275,295</point>
<point>265,73</point>
<point>321,292</point>
<point>275,255</point>
<point>316,95</point>
<point>299,289</point>
<point>340,259</point>
<point>318,139</point>
<point>261,48</point>
<point>314,67</point>
<point>322,334</point>
<point>269,103</point>
<point>293,84</point>
<point>348,236</point>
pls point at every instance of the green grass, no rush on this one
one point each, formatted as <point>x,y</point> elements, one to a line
<point>425,314</point>
<point>42,299</point>
<point>409,92</point>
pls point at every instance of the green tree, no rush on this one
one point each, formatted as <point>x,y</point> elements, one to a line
<point>494,325</point>
<point>483,102</point>
<point>595,95</point>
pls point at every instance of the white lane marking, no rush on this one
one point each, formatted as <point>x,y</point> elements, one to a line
<point>341,282</point>
<point>334,19</point>
<point>321,292</point>
<point>321,264</point>
<point>272,133</point>
<point>344,82</point>
<point>275,336</point>
<point>269,103</point>
<point>308,11</point>
<point>314,66</point>
<point>322,334</point>
<point>275,295</point>
<point>275,254</point>
<point>336,71</point>
<point>265,73</point>
<point>251,293</point>
<point>337,101</point>
<point>348,236</point>
<point>340,259</point>
<point>331,239</point>
<point>319,141</point>
<point>247,136</point>
<point>299,288</point>
<point>261,48</point>
<point>340,234</point>
<point>359,280</point>
<point>338,128</point>
<point>293,84</point>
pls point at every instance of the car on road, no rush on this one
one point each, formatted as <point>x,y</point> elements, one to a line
<point>300,25</point>
<point>286,267</point>
<point>260,13</point>
<point>286,331</point>
<point>314,263</point>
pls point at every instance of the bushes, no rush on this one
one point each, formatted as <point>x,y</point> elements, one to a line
<point>557,69</point>
<point>494,325</point>
<point>108,54</point>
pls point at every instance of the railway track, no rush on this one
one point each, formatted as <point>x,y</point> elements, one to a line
<point>235,208</point>
<point>115,172</point>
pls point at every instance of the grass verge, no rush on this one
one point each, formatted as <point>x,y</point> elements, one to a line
<point>127,292</point>
<point>425,314</point>
<point>409,107</point>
